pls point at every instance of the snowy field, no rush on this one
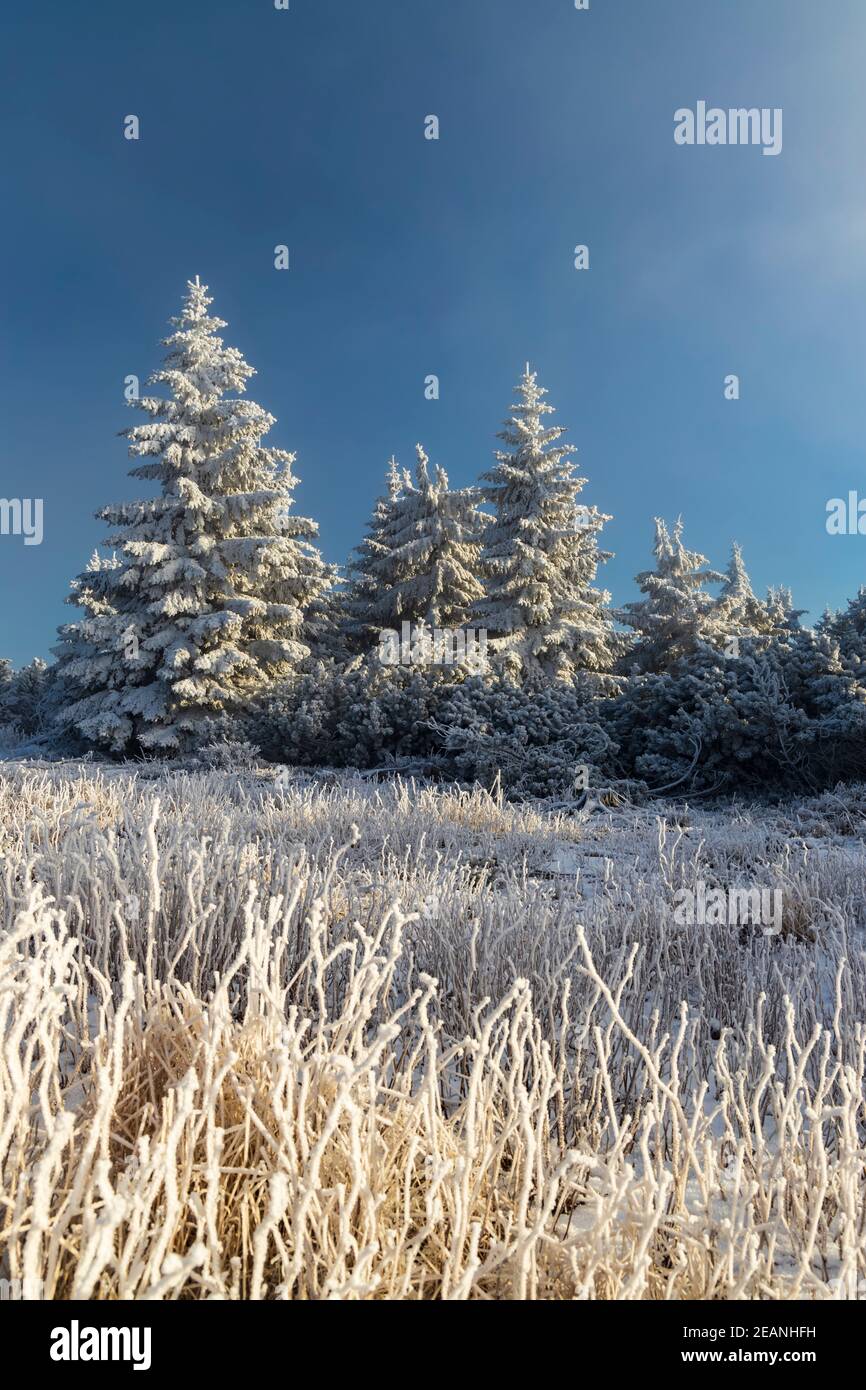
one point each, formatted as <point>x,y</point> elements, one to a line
<point>279,1036</point>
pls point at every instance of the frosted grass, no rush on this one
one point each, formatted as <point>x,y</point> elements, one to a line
<point>328,1038</point>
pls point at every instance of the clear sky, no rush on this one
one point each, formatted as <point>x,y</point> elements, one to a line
<point>411,257</point>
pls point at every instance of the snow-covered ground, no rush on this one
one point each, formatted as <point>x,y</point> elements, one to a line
<point>300,1035</point>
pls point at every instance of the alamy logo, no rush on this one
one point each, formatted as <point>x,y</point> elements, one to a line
<point>76,1343</point>
<point>846,518</point>
<point>737,126</point>
<point>716,907</point>
<point>418,645</point>
<point>13,1290</point>
<point>130,644</point>
<point>22,516</point>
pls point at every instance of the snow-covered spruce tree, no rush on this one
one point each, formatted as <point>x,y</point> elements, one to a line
<point>207,599</point>
<point>848,628</point>
<point>739,613</point>
<point>23,696</point>
<point>782,616</point>
<point>540,557</point>
<point>419,562</point>
<point>370,570</point>
<point>85,657</point>
<point>676,613</point>
<point>436,536</point>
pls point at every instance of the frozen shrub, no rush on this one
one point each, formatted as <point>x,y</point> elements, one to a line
<point>782,714</point>
<point>470,728</point>
<point>227,755</point>
<point>532,741</point>
<point>364,716</point>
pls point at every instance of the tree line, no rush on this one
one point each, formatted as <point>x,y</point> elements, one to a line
<point>215,617</point>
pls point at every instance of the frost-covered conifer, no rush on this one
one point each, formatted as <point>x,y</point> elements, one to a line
<point>86,656</point>
<point>419,561</point>
<point>540,555</point>
<point>436,536</point>
<point>848,628</point>
<point>676,613</point>
<point>23,695</point>
<point>787,713</point>
<point>207,597</point>
<point>738,612</point>
<point>370,570</point>
<point>782,616</point>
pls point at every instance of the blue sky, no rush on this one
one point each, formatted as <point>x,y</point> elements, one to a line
<point>455,257</point>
